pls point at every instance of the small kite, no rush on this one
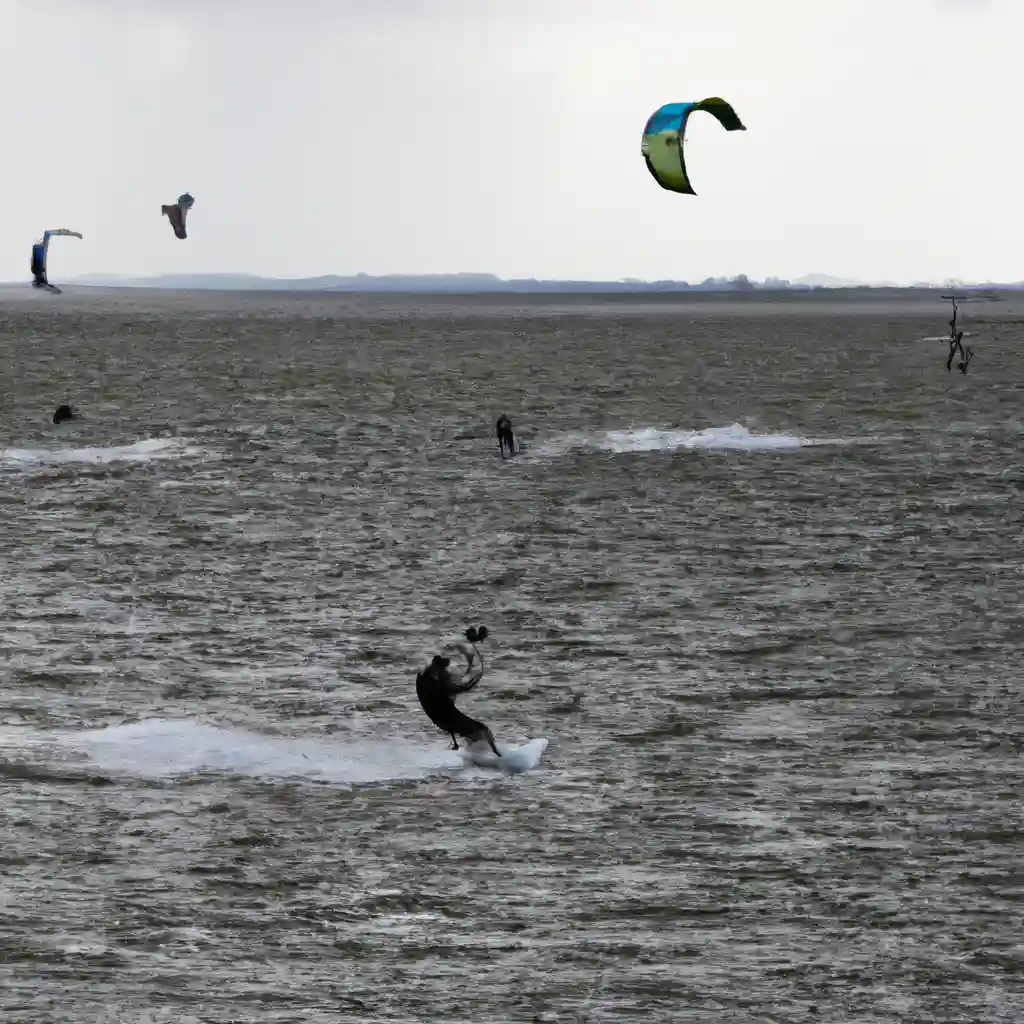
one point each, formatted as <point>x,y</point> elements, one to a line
<point>40,253</point>
<point>177,212</point>
<point>662,143</point>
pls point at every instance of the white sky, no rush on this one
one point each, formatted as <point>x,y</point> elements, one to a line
<point>884,137</point>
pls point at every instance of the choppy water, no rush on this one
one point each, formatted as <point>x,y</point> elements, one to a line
<point>775,546</point>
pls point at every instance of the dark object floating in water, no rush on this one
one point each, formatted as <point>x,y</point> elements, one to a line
<point>63,413</point>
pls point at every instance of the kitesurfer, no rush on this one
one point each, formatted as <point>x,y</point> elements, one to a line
<point>436,689</point>
<point>63,413</point>
<point>955,344</point>
<point>963,364</point>
<point>506,439</point>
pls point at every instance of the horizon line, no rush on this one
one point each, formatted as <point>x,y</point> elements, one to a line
<point>481,283</point>
<point>476,281</point>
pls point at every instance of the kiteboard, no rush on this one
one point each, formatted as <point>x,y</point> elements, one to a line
<point>513,760</point>
<point>51,288</point>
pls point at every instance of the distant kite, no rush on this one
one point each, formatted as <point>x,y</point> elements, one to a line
<point>662,143</point>
<point>40,254</point>
<point>177,212</point>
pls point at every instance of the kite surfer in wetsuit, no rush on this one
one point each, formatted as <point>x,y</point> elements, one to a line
<point>436,689</point>
<point>506,438</point>
<point>956,339</point>
<point>955,342</point>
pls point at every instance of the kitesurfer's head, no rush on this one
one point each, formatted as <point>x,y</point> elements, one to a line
<point>63,413</point>
<point>440,663</point>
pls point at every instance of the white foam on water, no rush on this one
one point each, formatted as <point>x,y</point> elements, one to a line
<point>195,485</point>
<point>147,450</point>
<point>734,437</point>
<point>165,748</point>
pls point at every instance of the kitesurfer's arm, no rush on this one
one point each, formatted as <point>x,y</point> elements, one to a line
<point>465,686</point>
<point>474,669</point>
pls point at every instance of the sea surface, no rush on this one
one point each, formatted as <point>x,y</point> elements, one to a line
<point>756,575</point>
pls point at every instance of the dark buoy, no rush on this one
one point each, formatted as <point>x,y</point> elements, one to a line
<point>63,413</point>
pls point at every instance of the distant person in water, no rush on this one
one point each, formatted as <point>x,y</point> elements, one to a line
<point>506,439</point>
<point>436,689</point>
<point>63,413</point>
<point>955,344</point>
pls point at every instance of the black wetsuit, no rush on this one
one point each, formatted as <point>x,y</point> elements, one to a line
<point>506,439</point>
<point>955,343</point>
<point>435,689</point>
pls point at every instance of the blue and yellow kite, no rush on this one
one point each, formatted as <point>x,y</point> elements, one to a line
<point>662,144</point>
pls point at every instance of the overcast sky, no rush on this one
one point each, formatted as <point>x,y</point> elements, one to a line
<point>884,137</point>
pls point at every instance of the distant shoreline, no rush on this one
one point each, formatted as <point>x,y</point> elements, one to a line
<point>488,284</point>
